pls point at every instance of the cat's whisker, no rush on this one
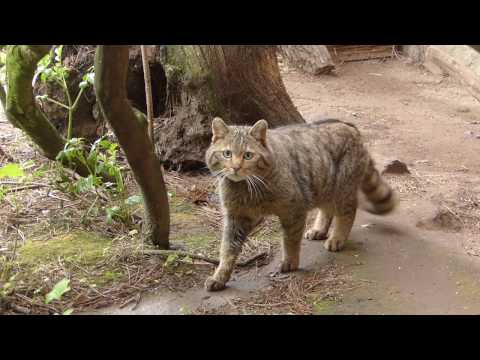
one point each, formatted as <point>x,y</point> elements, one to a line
<point>262,181</point>
<point>255,188</point>
<point>249,186</point>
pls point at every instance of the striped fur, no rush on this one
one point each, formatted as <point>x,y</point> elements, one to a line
<point>287,172</point>
<point>376,197</point>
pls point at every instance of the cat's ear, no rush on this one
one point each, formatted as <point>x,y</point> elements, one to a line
<point>219,129</point>
<point>259,131</point>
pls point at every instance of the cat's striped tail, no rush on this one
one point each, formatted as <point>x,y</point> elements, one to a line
<point>377,197</point>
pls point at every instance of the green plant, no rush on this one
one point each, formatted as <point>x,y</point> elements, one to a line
<point>60,288</point>
<point>3,192</point>
<point>7,280</point>
<point>101,159</point>
<point>171,260</point>
<point>58,291</point>
<point>51,69</point>
<point>123,212</point>
<point>11,170</point>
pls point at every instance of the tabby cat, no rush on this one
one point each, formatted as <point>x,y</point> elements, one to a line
<point>287,172</point>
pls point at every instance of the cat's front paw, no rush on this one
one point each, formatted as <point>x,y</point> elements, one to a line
<point>288,266</point>
<point>334,245</point>
<point>315,235</point>
<point>214,285</point>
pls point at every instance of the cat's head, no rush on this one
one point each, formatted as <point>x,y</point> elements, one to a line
<point>239,151</point>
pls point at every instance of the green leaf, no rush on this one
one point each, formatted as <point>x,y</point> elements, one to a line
<point>86,184</point>
<point>41,97</point>
<point>134,200</point>
<point>58,53</point>
<point>11,170</point>
<point>90,78</point>
<point>171,259</point>
<point>3,192</point>
<point>112,212</point>
<point>68,312</point>
<point>58,290</point>
<point>188,260</point>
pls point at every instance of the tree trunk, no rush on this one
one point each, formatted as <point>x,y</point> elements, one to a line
<point>312,59</point>
<point>86,120</point>
<point>3,96</point>
<point>148,90</point>
<point>21,109</point>
<point>241,84</point>
<point>111,69</point>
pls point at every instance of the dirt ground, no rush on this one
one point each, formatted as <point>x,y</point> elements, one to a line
<point>424,258</point>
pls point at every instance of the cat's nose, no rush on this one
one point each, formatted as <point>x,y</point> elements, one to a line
<point>235,168</point>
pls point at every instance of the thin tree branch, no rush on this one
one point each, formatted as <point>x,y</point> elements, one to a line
<point>148,91</point>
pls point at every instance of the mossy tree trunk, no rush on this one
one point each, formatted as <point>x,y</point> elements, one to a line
<point>3,96</point>
<point>87,123</point>
<point>240,83</point>
<point>21,109</point>
<point>111,69</point>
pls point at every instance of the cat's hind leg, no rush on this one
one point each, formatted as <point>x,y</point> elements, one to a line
<point>343,223</point>
<point>321,225</point>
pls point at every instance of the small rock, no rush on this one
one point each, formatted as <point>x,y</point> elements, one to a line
<point>469,134</point>
<point>442,219</point>
<point>462,109</point>
<point>477,136</point>
<point>395,167</point>
<point>475,122</point>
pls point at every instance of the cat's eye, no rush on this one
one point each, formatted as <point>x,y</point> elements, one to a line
<point>227,154</point>
<point>248,155</point>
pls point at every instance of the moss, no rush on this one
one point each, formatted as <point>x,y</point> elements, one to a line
<point>82,247</point>
<point>213,102</point>
<point>183,61</point>
<point>322,306</point>
<point>21,109</point>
